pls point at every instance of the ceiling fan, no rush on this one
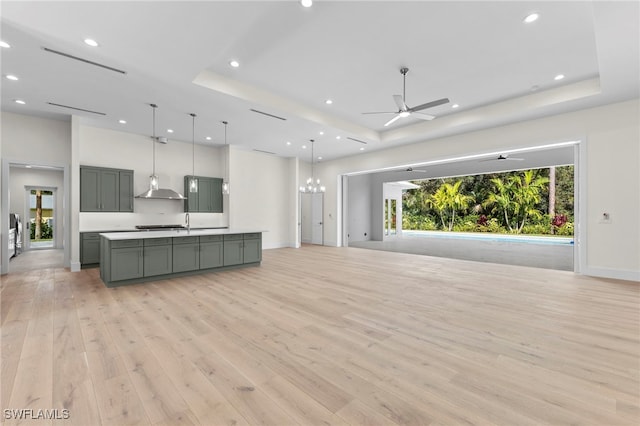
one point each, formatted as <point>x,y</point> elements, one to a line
<point>502,157</point>
<point>406,111</point>
<point>411,169</point>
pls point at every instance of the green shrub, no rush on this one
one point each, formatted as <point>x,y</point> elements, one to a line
<point>466,226</point>
<point>537,229</point>
<point>565,230</point>
<point>418,223</point>
<point>46,230</point>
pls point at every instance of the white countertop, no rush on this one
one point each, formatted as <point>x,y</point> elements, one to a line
<point>139,235</point>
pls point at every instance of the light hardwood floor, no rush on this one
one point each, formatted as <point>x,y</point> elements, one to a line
<point>324,335</point>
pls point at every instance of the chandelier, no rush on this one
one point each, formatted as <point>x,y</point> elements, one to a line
<point>312,184</point>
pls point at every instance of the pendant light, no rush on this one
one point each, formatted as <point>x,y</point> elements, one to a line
<point>153,179</point>
<point>193,181</point>
<point>155,192</point>
<point>225,181</point>
<point>313,184</point>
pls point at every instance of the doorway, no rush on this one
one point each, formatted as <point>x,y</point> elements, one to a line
<point>390,206</point>
<point>18,178</point>
<point>311,214</point>
<point>394,237</point>
<point>41,217</point>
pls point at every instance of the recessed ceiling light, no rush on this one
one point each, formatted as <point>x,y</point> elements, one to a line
<point>362,148</point>
<point>122,121</point>
<point>304,147</point>
<point>558,77</point>
<point>328,102</point>
<point>321,133</point>
<point>531,18</point>
<point>91,42</point>
<point>12,77</point>
<point>306,3</point>
<point>19,101</point>
<point>4,44</point>
<point>208,138</point>
<point>319,158</point>
<point>27,166</point>
<point>338,137</point>
<point>455,106</point>
<point>288,143</point>
<point>170,130</point>
<point>234,63</point>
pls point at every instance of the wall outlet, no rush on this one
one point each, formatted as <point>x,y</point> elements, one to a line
<point>605,217</point>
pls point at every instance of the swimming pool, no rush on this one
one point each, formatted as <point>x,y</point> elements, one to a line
<point>530,239</point>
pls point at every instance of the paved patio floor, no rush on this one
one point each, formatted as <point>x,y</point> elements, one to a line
<point>508,251</point>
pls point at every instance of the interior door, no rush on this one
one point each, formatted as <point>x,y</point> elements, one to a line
<point>311,214</point>
<point>317,225</point>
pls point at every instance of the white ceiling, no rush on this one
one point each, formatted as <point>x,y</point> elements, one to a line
<point>478,54</point>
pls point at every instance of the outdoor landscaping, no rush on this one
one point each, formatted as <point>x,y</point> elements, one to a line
<point>533,202</point>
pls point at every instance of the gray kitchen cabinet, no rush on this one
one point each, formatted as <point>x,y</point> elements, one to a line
<point>211,251</point>
<point>127,260</point>
<point>233,250</point>
<point>158,257</point>
<point>252,248</point>
<point>106,190</point>
<point>186,254</point>
<point>126,191</point>
<point>148,256</point>
<point>89,248</point>
<point>208,199</point>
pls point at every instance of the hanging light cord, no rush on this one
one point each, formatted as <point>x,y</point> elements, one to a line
<point>154,106</point>
<point>313,180</point>
<point>193,145</point>
<point>227,147</point>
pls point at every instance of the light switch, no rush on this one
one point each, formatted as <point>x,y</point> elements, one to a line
<point>605,217</point>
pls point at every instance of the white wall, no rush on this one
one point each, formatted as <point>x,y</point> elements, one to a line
<point>611,134</point>
<point>19,178</point>
<point>261,194</point>
<point>35,140</point>
<point>29,140</point>
<point>360,208</point>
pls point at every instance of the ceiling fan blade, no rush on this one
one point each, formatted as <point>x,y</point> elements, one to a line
<point>392,120</point>
<point>400,102</point>
<point>382,112</point>
<point>501,158</point>
<point>430,105</point>
<point>422,116</point>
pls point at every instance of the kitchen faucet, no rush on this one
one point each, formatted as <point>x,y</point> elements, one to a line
<point>186,220</point>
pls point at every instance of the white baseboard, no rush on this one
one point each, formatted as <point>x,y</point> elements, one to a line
<point>618,274</point>
<point>75,267</point>
<point>276,246</point>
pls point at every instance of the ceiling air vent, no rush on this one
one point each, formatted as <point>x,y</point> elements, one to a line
<point>356,140</point>
<point>75,108</point>
<point>266,152</point>
<point>86,61</point>
<point>268,115</point>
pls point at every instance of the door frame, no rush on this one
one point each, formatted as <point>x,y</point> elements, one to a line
<point>26,243</point>
<point>5,210</point>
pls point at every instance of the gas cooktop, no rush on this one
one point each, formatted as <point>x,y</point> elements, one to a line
<point>158,227</point>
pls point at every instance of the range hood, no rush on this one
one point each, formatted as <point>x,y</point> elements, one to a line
<point>154,192</point>
<point>161,194</point>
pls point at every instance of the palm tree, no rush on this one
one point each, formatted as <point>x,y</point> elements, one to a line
<point>502,198</point>
<point>526,195</point>
<point>438,201</point>
<point>447,200</point>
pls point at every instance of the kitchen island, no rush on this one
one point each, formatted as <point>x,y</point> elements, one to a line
<point>135,257</point>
